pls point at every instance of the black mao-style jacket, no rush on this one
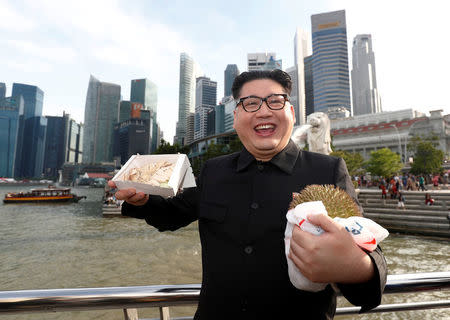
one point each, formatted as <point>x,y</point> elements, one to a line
<point>241,207</point>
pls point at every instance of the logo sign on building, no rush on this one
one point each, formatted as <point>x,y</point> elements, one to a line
<point>136,109</point>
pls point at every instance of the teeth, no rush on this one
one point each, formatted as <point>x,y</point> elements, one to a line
<point>264,126</point>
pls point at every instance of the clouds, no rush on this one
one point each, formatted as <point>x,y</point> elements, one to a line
<point>57,44</point>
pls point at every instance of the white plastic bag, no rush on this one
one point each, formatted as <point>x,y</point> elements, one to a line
<point>366,233</point>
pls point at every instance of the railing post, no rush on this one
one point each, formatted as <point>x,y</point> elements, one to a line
<point>130,314</point>
<point>164,313</point>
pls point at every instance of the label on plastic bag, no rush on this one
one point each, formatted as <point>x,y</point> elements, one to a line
<point>365,232</point>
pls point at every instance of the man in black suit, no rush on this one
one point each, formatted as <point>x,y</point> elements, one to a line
<point>241,201</point>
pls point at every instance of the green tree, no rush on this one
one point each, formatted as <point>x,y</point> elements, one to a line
<point>215,150</point>
<point>354,161</point>
<point>384,163</point>
<point>236,145</point>
<point>166,148</point>
<point>427,158</point>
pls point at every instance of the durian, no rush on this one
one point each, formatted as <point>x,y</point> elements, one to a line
<point>337,202</point>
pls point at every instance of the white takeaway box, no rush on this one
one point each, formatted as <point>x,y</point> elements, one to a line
<point>182,176</point>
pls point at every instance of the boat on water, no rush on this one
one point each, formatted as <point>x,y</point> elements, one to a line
<point>43,195</point>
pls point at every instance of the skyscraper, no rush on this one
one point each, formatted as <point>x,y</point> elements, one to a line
<point>11,119</point>
<point>33,98</point>
<point>205,100</point>
<point>55,144</point>
<point>31,141</point>
<point>309,91</point>
<point>146,92</point>
<point>301,50</point>
<point>293,98</point>
<point>100,115</point>
<point>205,92</point>
<point>74,150</point>
<point>33,149</point>
<point>330,61</point>
<point>230,73</point>
<point>2,90</point>
<point>189,71</point>
<point>366,98</point>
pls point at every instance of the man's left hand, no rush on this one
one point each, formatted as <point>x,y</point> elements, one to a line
<point>332,257</point>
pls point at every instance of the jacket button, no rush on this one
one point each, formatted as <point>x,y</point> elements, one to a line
<point>254,205</point>
<point>260,167</point>
<point>248,249</point>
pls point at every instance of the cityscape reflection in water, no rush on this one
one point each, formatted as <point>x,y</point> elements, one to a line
<point>49,246</point>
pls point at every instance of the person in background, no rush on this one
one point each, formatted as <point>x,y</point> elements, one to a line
<point>436,181</point>
<point>422,183</point>
<point>241,201</point>
<point>401,201</point>
<point>383,191</point>
<point>410,184</point>
<point>428,200</point>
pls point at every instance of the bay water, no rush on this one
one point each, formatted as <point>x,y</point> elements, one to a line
<point>49,246</point>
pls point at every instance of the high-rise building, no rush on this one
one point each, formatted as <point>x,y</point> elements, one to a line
<point>74,149</point>
<point>205,100</point>
<point>189,138</point>
<point>309,91</point>
<point>124,111</point>
<point>189,71</point>
<point>33,148</point>
<point>366,98</point>
<point>301,50</point>
<point>131,137</point>
<point>330,61</point>
<point>100,115</point>
<point>146,92</point>
<point>293,98</point>
<point>33,98</point>
<point>2,90</point>
<point>230,73</point>
<point>11,119</point>
<point>55,144</point>
<point>263,61</point>
<point>205,92</point>
<point>30,162</point>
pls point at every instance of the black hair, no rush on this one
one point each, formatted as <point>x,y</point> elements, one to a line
<point>276,75</point>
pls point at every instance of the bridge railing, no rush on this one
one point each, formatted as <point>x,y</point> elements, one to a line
<point>164,296</point>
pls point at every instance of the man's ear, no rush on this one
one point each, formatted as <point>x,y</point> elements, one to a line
<point>293,112</point>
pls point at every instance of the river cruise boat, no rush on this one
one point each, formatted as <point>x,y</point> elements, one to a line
<point>44,195</point>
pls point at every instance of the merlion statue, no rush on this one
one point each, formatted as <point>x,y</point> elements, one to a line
<point>316,132</point>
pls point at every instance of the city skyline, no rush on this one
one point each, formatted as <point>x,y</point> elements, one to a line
<point>116,43</point>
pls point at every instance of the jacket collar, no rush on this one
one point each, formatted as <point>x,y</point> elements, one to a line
<point>285,160</point>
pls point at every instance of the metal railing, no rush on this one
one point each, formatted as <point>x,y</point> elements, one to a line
<point>164,296</point>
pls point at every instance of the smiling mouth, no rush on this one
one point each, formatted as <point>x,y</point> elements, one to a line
<point>264,129</point>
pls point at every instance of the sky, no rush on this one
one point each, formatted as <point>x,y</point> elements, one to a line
<point>56,45</point>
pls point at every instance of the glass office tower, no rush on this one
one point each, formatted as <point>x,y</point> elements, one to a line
<point>146,92</point>
<point>11,119</point>
<point>33,98</point>
<point>2,90</point>
<point>188,73</point>
<point>31,142</point>
<point>230,73</point>
<point>330,61</point>
<point>100,115</point>
<point>366,98</point>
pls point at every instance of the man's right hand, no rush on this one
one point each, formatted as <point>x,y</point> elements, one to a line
<point>129,195</point>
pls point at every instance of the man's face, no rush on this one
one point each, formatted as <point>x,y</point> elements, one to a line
<point>265,132</point>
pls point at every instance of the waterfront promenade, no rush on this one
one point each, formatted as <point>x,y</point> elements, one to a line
<point>416,218</point>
